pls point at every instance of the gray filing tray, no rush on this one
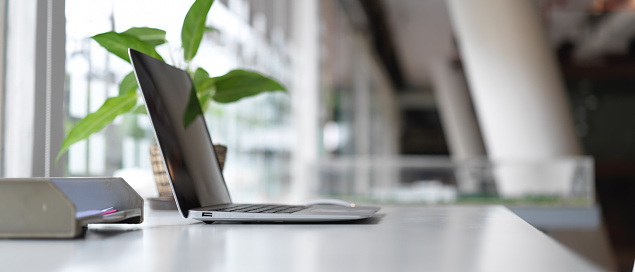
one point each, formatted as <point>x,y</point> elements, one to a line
<point>46,207</point>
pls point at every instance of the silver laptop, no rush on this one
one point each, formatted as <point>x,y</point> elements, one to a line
<point>194,173</point>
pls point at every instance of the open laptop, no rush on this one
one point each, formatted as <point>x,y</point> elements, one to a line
<point>193,170</point>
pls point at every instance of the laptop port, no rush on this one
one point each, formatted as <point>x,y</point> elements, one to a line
<point>207,214</point>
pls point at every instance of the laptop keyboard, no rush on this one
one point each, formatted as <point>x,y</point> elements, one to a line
<point>259,208</point>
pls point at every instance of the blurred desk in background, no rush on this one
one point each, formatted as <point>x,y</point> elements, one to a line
<point>404,238</point>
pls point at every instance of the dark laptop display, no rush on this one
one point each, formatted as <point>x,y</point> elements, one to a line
<point>188,153</point>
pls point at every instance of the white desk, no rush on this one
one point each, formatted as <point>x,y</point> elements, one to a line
<point>400,239</point>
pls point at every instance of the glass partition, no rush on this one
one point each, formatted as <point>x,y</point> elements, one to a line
<point>440,180</point>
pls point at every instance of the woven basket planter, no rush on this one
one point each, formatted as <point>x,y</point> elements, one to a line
<point>161,175</point>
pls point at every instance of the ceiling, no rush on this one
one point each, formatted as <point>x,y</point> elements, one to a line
<point>422,32</point>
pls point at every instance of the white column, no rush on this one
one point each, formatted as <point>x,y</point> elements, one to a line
<point>457,113</point>
<point>305,97</point>
<point>3,10</point>
<point>19,88</point>
<point>516,88</point>
<point>460,125</point>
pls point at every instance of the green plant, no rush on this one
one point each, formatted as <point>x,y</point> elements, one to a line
<point>227,88</point>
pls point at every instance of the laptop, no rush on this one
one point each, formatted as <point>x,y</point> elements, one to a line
<point>188,154</point>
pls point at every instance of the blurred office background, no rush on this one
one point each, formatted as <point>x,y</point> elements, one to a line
<point>401,102</point>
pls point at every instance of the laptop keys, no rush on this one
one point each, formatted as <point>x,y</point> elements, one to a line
<point>244,208</point>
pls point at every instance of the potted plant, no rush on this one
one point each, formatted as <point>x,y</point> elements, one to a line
<point>228,88</point>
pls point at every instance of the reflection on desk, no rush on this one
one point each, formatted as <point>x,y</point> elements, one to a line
<point>397,239</point>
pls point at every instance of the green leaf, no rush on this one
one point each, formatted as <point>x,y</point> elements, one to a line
<point>204,99</point>
<point>140,109</point>
<point>96,121</point>
<point>192,110</point>
<point>211,29</point>
<point>118,44</point>
<point>199,77</point>
<point>152,36</point>
<point>193,27</point>
<point>204,87</point>
<point>202,82</point>
<point>238,84</point>
<point>128,84</point>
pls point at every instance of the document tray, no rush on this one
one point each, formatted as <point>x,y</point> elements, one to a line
<point>47,207</point>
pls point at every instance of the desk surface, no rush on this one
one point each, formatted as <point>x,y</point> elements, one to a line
<point>397,239</point>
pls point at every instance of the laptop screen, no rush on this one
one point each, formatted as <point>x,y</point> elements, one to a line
<point>188,153</point>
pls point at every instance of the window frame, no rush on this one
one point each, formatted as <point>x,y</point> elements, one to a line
<point>33,99</point>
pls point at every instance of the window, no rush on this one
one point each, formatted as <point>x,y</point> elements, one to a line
<point>257,130</point>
